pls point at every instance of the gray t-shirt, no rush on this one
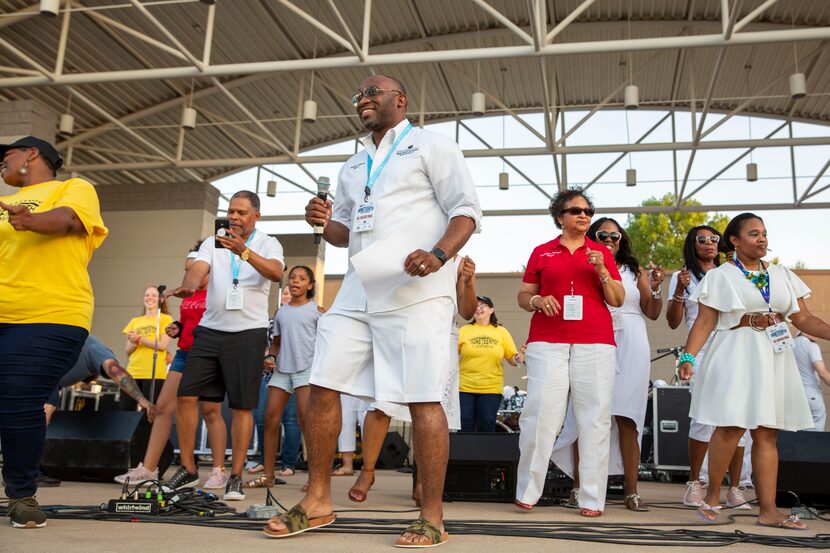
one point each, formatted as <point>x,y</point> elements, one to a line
<point>806,353</point>
<point>297,329</point>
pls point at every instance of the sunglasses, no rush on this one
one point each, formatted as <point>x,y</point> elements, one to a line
<point>602,236</point>
<point>588,211</point>
<point>707,239</point>
<point>370,92</point>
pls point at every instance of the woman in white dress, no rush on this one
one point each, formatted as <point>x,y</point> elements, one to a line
<point>642,299</point>
<point>701,253</point>
<point>751,379</point>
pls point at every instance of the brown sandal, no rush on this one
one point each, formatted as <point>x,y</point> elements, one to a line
<point>359,496</point>
<point>259,482</point>
<point>634,502</point>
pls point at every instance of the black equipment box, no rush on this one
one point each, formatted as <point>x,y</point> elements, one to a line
<point>670,408</point>
<point>482,467</point>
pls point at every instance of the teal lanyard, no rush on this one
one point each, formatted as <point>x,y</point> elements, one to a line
<point>373,177</point>
<point>236,262</point>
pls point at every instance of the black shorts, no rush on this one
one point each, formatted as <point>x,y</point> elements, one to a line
<point>225,362</point>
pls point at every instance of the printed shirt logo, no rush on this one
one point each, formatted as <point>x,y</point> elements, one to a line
<point>356,165</point>
<point>483,342</point>
<point>409,150</point>
<point>549,254</point>
<point>31,205</point>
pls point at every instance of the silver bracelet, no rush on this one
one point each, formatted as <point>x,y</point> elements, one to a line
<point>530,303</point>
<point>604,280</point>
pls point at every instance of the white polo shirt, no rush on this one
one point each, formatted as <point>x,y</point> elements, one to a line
<point>254,313</point>
<point>425,184</point>
<point>806,354</point>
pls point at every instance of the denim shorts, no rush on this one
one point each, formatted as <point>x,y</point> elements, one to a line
<point>178,361</point>
<point>289,382</point>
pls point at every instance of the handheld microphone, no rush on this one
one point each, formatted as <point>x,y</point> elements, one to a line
<point>323,186</point>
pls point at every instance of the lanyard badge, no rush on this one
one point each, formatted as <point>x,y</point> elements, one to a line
<point>234,299</point>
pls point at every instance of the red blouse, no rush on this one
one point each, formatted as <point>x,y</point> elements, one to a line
<point>557,271</point>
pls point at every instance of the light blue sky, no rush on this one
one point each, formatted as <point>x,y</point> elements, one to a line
<point>506,242</point>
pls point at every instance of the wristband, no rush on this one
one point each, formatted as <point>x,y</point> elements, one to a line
<point>604,280</point>
<point>686,358</point>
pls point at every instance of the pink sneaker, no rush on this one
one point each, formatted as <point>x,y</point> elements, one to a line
<point>217,480</point>
<point>694,494</point>
<point>137,475</point>
<point>735,498</point>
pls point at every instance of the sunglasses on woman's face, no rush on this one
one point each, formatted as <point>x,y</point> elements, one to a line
<point>602,236</point>
<point>588,211</point>
<point>714,239</point>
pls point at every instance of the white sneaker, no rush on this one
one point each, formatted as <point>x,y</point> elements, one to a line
<point>137,475</point>
<point>735,499</point>
<point>217,479</point>
<point>694,494</point>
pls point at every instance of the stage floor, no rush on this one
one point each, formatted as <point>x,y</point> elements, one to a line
<point>387,507</point>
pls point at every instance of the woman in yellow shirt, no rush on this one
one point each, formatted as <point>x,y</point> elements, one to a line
<point>141,343</point>
<point>482,345</point>
<point>48,231</point>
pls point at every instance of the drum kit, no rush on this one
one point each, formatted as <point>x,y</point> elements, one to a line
<point>512,404</point>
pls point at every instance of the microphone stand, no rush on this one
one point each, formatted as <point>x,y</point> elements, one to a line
<point>156,346</point>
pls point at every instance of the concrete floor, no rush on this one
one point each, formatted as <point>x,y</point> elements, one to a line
<point>388,501</point>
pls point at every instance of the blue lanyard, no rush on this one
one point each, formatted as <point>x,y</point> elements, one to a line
<point>763,289</point>
<point>373,177</point>
<point>236,262</point>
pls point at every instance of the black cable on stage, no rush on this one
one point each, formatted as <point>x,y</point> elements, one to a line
<point>606,533</point>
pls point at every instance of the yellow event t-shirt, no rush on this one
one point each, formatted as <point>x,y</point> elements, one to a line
<point>44,277</point>
<point>481,349</point>
<point>140,364</point>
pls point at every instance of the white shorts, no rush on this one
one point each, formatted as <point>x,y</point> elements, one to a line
<point>703,433</point>
<point>399,356</point>
<point>289,382</point>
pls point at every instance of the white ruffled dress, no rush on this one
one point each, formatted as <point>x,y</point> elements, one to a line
<point>746,384</point>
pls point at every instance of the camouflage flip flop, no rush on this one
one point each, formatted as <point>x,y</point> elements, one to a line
<point>422,527</point>
<point>296,521</point>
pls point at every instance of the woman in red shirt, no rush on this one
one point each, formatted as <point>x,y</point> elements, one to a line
<point>571,348</point>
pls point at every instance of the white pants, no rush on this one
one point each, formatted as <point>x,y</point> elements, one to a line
<point>587,371</point>
<point>352,416</point>
<point>817,409</point>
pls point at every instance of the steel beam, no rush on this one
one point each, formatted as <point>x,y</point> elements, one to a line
<point>367,26</point>
<point>435,56</point>
<point>498,16</point>
<point>314,22</point>
<point>612,210</point>
<point>504,159</point>
<point>477,153</point>
<point>820,174</point>
<point>551,36</point>
<point>64,37</point>
<point>622,156</point>
<point>748,18</point>
<point>170,36</point>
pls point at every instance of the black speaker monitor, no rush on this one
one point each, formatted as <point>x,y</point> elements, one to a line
<point>803,468</point>
<point>393,453</point>
<point>89,446</point>
<point>482,467</point>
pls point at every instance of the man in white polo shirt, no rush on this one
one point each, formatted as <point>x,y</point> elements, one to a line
<point>410,188</point>
<point>230,341</point>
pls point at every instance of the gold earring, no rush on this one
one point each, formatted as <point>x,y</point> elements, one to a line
<point>23,170</point>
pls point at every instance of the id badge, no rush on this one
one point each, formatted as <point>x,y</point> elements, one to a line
<point>234,300</point>
<point>617,320</point>
<point>572,309</point>
<point>364,218</point>
<point>779,335</point>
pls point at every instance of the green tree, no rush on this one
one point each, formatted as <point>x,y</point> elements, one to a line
<point>659,237</point>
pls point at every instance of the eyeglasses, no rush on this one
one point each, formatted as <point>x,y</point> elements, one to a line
<point>714,239</point>
<point>370,92</point>
<point>602,236</point>
<point>588,211</point>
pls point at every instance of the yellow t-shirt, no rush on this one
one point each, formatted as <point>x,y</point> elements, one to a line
<point>140,364</point>
<point>481,349</point>
<point>43,277</point>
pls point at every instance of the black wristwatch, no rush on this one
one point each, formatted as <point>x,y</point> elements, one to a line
<point>270,356</point>
<point>440,254</point>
